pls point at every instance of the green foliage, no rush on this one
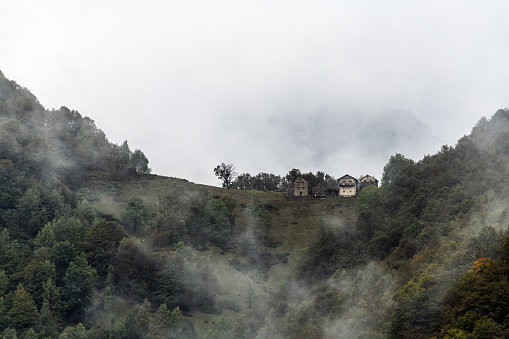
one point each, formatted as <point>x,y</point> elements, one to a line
<point>173,198</point>
<point>23,313</point>
<point>106,235</point>
<point>78,332</point>
<point>262,182</point>
<point>165,323</point>
<point>69,229</point>
<point>50,319</point>
<point>160,276</point>
<point>367,199</point>
<point>78,287</point>
<point>9,192</point>
<point>133,270</point>
<point>142,322</point>
<point>4,283</point>
<point>225,328</point>
<point>168,286</point>
<point>62,254</point>
<point>388,274</point>
<point>45,237</point>
<point>135,214</point>
<point>10,259</point>
<point>393,166</point>
<point>216,219</point>
<point>36,273</point>
<point>138,162</point>
<point>85,213</point>
<point>293,175</point>
<point>56,145</point>
<point>225,173</point>
<point>9,333</point>
<point>260,219</point>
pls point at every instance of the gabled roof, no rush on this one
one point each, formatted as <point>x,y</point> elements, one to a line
<point>347,177</point>
<point>367,175</point>
<point>301,178</point>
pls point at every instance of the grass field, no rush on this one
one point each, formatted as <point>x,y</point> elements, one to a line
<point>294,224</point>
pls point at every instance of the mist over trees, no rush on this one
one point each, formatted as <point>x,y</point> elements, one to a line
<point>423,210</point>
<point>423,256</point>
<point>55,250</point>
<point>56,144</point>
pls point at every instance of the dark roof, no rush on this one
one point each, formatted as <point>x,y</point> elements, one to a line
<point>367,175</point>
<point>347,177</point>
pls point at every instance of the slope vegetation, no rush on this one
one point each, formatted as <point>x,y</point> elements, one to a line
<point>93,245</point>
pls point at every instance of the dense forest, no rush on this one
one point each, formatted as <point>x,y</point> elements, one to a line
<point>425,255</point>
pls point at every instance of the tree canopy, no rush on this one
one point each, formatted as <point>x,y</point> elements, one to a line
<point>225,173</point>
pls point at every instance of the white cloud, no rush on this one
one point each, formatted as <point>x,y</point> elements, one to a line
<point>197,83</point>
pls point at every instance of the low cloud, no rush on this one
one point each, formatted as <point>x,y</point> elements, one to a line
<point>200,83</point>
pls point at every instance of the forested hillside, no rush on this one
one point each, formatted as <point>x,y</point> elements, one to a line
<point>94,246</point>
<point>438,229</point>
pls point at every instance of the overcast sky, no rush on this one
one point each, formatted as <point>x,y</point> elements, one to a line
<point>336,86</point>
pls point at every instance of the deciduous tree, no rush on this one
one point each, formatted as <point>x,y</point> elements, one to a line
<point>226,173</point>
<point>134,214</point>
<point>393,166</point>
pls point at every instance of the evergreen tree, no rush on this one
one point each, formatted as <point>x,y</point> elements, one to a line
<point>9,333</point>
<point>45,237</point>
<point>50,319</point>
<point>78,332</point>
<point>23,313</point>
<point>85,212</point>
<point>36,273</point>
<point>62,254</point>
<point>78,286</point>
<point>4,283</point>
<point>138,162</point>
<point>216,218</point>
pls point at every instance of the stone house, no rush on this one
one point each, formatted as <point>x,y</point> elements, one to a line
<point>368,180</point>
<point>318,190</point>
<point>299,188</point>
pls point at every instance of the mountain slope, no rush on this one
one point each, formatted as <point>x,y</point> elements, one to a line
<point>89,237</point>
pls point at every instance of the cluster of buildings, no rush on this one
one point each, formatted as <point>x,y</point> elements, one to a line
<point>348,186</point>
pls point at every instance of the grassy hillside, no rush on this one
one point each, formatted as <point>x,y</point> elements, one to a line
<point>294,227</point>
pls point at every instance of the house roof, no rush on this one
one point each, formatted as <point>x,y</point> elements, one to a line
<point>367,175</point>
<point>348,177</point>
